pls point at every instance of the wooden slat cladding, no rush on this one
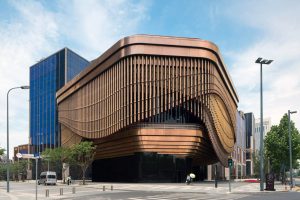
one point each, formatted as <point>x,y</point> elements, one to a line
<point>184,141</point>
<point>138,88</point>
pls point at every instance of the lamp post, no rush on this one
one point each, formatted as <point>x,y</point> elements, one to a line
<point>7,136</point>
<point>261,62</point>
<point>290,146</point>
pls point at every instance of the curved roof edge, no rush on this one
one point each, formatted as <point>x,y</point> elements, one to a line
<point>125,47</point>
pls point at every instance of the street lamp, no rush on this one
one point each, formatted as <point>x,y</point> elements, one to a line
<point>290,146</point>
<point>7,136</point>
<point>261,62</point>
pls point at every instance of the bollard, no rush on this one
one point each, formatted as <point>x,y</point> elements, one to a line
<point>103,187</point>
<point>47,192</point>
<point>61,191</point>
<point>73,190</point>
<point>111,188</point>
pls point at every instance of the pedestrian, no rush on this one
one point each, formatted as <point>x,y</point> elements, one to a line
<point>188,179</point>
<point>69,180</point>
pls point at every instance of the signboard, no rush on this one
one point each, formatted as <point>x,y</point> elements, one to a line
<point>27,155</point>
<point>19,155</point>
<point>37,154</point>
<point>230,162</point>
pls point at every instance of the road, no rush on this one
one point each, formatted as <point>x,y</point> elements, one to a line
<point>140,195</point>
<point>149,191</point>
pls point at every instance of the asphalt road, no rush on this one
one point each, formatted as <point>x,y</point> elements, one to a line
<point>141,195</point>
<point>160,191</point>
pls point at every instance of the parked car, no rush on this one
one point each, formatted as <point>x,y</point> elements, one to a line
<point>47,178</point>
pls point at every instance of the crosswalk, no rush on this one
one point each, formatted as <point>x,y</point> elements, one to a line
<point>160,187</point>
<point>189,196</point>
<point>196,188</point>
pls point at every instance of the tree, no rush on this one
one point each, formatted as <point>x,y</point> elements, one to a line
<point>1,151</point>
<point>256,163</point>
<point>277,145</point>
<point>19,168</point>
<point>60,154</point>
<point>83,153</point>
<point>2,164</point>
<point>2,171</point>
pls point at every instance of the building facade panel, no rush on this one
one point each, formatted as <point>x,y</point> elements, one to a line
<point>153,83</point>
<point>266,128</point>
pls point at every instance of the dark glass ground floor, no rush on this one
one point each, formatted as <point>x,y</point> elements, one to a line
<point>146,167</point>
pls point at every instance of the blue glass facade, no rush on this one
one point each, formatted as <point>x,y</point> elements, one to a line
<point>75,64</point>
<point>46,78</point>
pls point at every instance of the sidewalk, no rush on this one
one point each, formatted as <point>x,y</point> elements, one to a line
<point>202,187</point>
<point>26,190</point>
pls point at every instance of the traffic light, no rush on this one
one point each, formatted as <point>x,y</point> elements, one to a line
<point>230,162</point>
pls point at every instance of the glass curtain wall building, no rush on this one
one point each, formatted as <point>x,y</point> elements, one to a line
<point>46,77</point>
<point>250,141</point>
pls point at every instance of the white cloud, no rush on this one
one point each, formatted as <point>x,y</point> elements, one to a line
<point>96,25</point>
<point>277,22</point>
<point>90,27</point>
<point>36,31</point>
<point>24,39</point>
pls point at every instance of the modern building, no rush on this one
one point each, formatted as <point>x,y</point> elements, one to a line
<point>238,170</point>
<point>156,107</point>
<point>250,143</point>
<point>46,78</point>
<point>266,128</point>
<point>239,153</point>
<point>23,149</point>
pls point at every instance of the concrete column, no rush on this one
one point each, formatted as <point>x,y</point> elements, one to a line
<point>227,173</point>
<point>65,171</point>
<point>29,174</point>
<point>209,172</point>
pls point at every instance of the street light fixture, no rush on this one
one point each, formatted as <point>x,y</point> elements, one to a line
<point>25,87</point>
<point>290,146</point>
<point>7,135</point>
<point>262,61</point>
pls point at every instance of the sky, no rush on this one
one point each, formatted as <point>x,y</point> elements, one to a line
<point>243,31</point>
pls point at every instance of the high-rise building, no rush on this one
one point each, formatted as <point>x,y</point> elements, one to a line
<point>46,77</point>
<point>250,141</point>
<point>266,129</point>
<point>239,153</point>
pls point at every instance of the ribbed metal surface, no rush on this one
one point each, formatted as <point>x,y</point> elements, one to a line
<point>138,87</point>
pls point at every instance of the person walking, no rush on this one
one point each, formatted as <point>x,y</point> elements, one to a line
<point>69,180</point>
<point>188,179</point>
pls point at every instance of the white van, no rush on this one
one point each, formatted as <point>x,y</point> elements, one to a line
<point>47,178</point>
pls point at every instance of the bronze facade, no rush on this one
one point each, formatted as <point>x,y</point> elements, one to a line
<point>167,95</point>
